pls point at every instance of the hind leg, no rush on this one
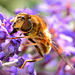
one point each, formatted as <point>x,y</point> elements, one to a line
<point>34,60</point>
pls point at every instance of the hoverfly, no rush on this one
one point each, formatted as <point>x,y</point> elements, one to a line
<point>35,29</point>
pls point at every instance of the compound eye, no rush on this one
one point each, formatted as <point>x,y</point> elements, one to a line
<point>23,18</point>
<point>27,26</point>
<point>19,17</point>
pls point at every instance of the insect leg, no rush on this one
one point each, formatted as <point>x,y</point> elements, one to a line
<point>28,44</point>
<point>34,60</point>
<point>18,37</point>
<point>38,49</point>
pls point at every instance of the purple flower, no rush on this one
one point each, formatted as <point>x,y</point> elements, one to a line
<point>11,48</point>
<point>47,57</point>
<point>30,69</point>
<point>0,47</point>
<point>27,57</point>
<point>1,55</point>
<point>53,2</point>
<point>2,17</point>
<point>13,70</point>
<point>25,10</point>
<point>0,63</point>
<point>20,62</point>
<point>61,72</point>
<point>2,34</point>
<point>43,7</point>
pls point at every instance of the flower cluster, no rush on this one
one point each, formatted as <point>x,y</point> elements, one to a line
<point>10,60</point>
<point>60,17</point>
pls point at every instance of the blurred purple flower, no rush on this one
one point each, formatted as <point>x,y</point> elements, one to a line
<point>13,69</point>
<point>1,55</point>
<point>62,71</point>
<point>2,35</point>
<point>11,48</point>
<point>27,57</point>
<point>25,10</point>
<point>53,2</point>
<point>0,48</point>
<point>30,69</point>
<point>52,7</point>
<point>2,17</point>
<point>0,63</point>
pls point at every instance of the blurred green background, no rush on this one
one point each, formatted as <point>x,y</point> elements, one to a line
<point>7,7</point>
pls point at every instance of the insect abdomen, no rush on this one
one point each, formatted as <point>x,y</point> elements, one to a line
<point>45,48</point>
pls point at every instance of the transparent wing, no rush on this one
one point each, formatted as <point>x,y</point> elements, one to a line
<point>60,52</point>
<point>43,18</point>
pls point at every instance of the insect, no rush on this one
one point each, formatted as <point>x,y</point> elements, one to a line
<point>35,29</point>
